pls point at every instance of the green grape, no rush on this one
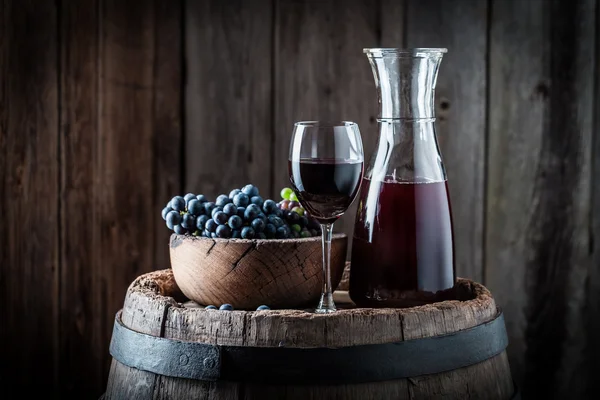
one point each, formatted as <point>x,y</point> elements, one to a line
<point>296,227</point>
<point>293,197</point>
<point>286,193</point>
<point>298,210</point>
<point>305,234</point>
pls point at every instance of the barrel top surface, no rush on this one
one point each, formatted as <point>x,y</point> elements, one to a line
<point>155,299</point>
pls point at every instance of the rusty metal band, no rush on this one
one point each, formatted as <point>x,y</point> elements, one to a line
<point>282,365</point>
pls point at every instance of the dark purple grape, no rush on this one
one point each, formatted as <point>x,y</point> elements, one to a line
<point>247,232</point>
<point>257,200</point>
<point>284,204</point>
<point>213,235</point>
<point>240,212</point>
<point>314,232</point>
<point>270,230</point>
<point>220,217</point>
<point>201,198</point>
<point>258,225</point>
<point>180,230</point>
<point>177,203</point>
<point>211,225</point>
<point>222,200</point>
<point>173,219</point>
<point>226,307</point>
<point>303,221</point>
<point>241,200</point>
<point>278,213</point>
<point>287,228</point>
<point>275,220</point>
<point>195,207</point>
<point>250,190</point>
<point>263,217</point>
<point>292,217</point>
<point>261,308</point>
<point>223,231</point>
<point>282,233</point>
<point>211,307</point>
<point>201,221</point>
<point>261,235</point>
<point>233,193</point>
<point>215,210</point>
<point>251,212</point>
<point>269,206</point>
<point>206,233</point>
<point>235,222</point>
<point>236,234</point>
<point>295,234</point>
<point>293,204</point>
<point>188,197</point>
<point>230,209</point>
<point>188,221</point>
<point>165,211</point>
<point>209,207</point>
<point>313,224</point>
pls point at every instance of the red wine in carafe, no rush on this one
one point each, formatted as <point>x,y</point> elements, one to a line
<point>402,251</point>
<point>326,187</point>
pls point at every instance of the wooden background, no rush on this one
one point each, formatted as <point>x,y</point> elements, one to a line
<point>110,107</point>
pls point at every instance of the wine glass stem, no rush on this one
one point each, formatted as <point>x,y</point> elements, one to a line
<point>326,304</point>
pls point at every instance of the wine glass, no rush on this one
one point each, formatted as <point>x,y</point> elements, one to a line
<point>326,168</point>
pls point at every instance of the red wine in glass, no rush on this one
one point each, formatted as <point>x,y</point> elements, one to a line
<point>325,187</point>
<point>402,251</point>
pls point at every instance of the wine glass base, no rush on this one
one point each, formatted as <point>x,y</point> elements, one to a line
<point>326,305</point>
<point>325,310</point>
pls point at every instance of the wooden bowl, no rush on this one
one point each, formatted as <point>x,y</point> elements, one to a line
<point>284,273</point>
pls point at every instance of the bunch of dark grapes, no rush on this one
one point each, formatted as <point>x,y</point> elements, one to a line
<point>241,214</point>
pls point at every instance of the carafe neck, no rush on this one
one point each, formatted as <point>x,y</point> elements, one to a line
<point>405,81</point>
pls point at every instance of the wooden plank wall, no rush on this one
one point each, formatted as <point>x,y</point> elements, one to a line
<point>108,108</point>
<point>540,242</point>
<point>29,193</point>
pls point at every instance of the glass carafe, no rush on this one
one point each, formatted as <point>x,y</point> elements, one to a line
<point>403,249</point>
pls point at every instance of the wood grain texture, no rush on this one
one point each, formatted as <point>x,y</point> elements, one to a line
<point>123,162</point>
<point>249,273</point>
<point>120,80</point>
<point>167,124</point>
<point>144,310</point>
<point>321,73</point>
<point>592,289</point>
<point>29,195</point>
<point>517,110</point>
<point>79,132</point>
<point>392,23</point>
<point>460,100</point>
<point>538,211</point>
<point>296,328</point>
<point>228,96</point>
<point>572,96</point>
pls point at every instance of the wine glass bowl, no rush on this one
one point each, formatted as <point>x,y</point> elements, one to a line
<point>326,169</point>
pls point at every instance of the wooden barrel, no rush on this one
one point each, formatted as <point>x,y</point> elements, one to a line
<point>166,347</point>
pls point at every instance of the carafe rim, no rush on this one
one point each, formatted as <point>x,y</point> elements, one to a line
<point>399,52</point>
